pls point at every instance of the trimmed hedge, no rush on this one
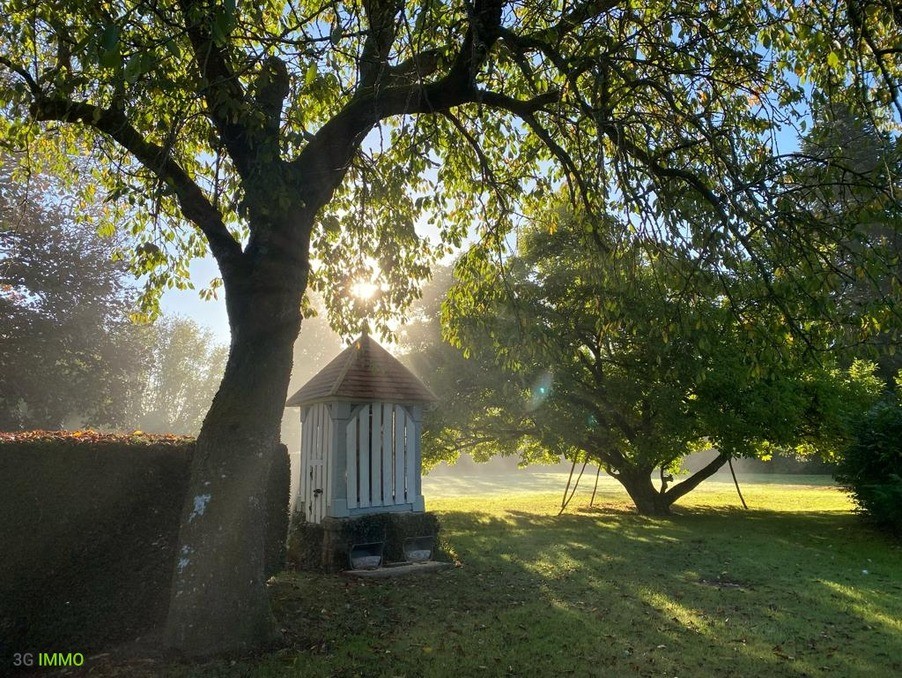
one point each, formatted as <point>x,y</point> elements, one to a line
<point>89,531</point>
<point>871,468</point>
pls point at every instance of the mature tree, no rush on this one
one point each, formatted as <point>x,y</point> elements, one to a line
<point>457,381</point>
<point>847,173</point>
<point>185,368</point>
<point>608,356</point>
<point>68,353</point>
<point>238,127</point>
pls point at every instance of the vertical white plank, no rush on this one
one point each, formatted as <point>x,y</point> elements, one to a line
<point>399,455</point>
<point>320,430</point>
<point>363,448</point>
<point>317,464</point>
<point>308,464</point>
<point>409,458</point>
<point>386,445</point>
<point>327,451</point>
<point>320,445</point>
<point>311,463</point>
<point>353,460</point>
<point>321,466</point>
<point>305,455</point>
<point>376,456</point>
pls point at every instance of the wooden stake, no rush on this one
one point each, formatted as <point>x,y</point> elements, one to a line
<point>736,483</point>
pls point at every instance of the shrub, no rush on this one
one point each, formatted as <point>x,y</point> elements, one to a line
<point>871,467</point>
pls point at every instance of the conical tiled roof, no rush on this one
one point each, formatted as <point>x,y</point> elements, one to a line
<point>363,371</point>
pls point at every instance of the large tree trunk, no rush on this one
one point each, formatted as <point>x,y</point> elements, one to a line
<point>649,500</point>
<point>219,602</point>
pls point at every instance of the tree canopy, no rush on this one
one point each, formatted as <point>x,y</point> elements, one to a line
<point>608,356</point>
<point>199,112</point>
<point>300,142</point>
<point>847,173</point>
<point>182,376</point>
<point>70,353</point>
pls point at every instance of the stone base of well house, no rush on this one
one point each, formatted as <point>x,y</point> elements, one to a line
<point>326,546</point>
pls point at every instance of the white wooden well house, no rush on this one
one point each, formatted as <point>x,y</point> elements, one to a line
<point>361,418</point>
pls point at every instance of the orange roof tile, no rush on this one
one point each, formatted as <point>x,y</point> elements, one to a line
<point>364,371</point>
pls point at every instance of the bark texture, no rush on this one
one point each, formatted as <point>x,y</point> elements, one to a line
<point>219,600</point>
<point>648,500</point>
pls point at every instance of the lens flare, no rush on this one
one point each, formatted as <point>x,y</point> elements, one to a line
<point>540,389</point>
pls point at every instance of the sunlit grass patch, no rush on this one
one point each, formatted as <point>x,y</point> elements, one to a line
<point>711,591</point>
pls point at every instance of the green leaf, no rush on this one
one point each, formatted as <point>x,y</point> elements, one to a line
<point>310,74</point>
<point>109,39</point>
<point>110,57</point>
<point>223,23</point>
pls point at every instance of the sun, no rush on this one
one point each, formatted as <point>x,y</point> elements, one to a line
<point>363,289</point>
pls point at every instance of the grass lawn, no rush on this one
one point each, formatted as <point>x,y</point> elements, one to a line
<point>793,587</point>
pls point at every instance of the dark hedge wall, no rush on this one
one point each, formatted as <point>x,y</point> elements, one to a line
<point>88,530</point>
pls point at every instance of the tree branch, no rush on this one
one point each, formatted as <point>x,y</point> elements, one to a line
<point>698,185</point>
<point>526,110</point>
<point>382,19</point>
<point>416,68</point>
<point>222,90</point>
<point>545,39</point>
<point>270,90</point>
<point>192,201</point>
<point>22,73</point>
<point>325,160</point>
<point>693,481</point>
<point>523,108</point>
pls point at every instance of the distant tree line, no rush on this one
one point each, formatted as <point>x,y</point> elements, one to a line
<point>70,354</point>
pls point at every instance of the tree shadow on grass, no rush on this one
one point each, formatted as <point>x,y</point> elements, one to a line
<point>706,592</point>
<point>600,592</point>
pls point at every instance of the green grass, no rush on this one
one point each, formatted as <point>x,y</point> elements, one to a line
<point>793,587</point>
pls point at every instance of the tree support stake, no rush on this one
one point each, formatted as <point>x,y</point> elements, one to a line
<point>736,483</point>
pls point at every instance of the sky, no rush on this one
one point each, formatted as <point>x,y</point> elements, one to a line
<point>210,314</point>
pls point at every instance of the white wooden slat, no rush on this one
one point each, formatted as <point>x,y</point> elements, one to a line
<point>318,472</point>
<point>321,485</point>
<point>376,456</point>
<point>319,432</point>
<point>409,458</point>
<point>305,465</point>
<point>323,449</point>
<point>327,447</point>
<point>302,467</point>
<point>311,467</point>
<point>352,461</point>
<point>386,446</point>
<point>363,447</point>
<point>324,452</point>
<point>399,455</point>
